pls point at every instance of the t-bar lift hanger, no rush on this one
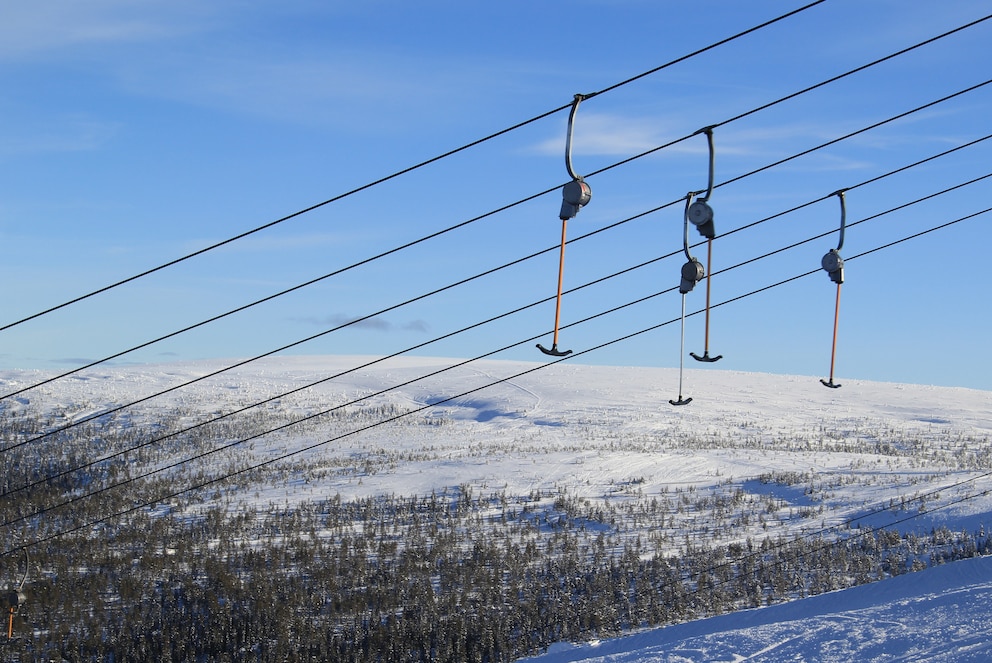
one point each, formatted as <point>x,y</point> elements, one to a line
<point>692,273</point>
<point>701,215</point>
<point>575,195</point>
<point>13,599</point>
<point>834,266</point>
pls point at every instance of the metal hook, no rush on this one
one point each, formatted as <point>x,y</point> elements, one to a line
<point>709,140</point>
<point>27,564</point>
<point>685,235</point>
<point>692,271</point>
<point>843,217</point>
<point>575,194</point>
<point>700,212</point>
<point>832,262</point>
<point>568,137</point>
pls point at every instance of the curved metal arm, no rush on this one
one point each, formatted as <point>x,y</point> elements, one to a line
<point>568,138</point>
<point>709,141</point>
<point>27,564</point>
<point>843,217</point>
<point>685,235</point>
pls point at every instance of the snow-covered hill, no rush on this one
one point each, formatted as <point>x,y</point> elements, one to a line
<point>528,426</point>
<point>753,457</point>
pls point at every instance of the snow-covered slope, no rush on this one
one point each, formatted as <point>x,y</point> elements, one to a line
<point>526,426</point>
<point>939,615</point>
<point>432,423</point>
<point>785,455</point>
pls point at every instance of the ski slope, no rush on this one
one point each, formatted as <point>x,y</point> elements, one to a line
<point>939,615</point>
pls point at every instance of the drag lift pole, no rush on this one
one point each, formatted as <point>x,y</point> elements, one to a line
<point>833,264</point>
<point>575,195</point>
<point>15,598</point>
<point>692,273</point>
<point>701,215</point>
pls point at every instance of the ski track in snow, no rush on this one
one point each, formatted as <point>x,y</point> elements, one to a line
<point>941,614</point>
<point>600,430</point>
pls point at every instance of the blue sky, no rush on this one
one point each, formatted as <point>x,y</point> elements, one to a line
<point>132,134</point>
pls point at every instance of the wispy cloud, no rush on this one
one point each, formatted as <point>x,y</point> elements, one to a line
<point>375,323</point>
<point>31,29</point>
<point>620,135</point>
<point>616,135</point>
<point>338,87</point>
<point>59,134</point>
<point>610,135</point>
<point>226,56</point>
<point>72,361</point>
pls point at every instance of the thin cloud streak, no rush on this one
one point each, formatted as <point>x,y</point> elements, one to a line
<point>376,323</point>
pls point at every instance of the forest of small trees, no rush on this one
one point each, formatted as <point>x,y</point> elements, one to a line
<point>457,575</point>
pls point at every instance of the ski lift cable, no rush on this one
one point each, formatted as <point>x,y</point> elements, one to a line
<point>710,47</point>
<point>412,168</point>
<point>462,363</point>
<point>861,68</point>
<point>521,201</point>
<point>855,257</point>
<point>465,223</point>
<point>215,480</point>
<point>504,315</point>
<point>867,182</point>
<point>501,209</point>
<point>489,272</point>
<point>793,95</point>
<point>864,220</point>
<point>852,134</point>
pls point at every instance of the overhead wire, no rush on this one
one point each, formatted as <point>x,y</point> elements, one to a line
<point>788,97</point>
<point>270,461</point>
<point>152,441</point>
<point>116,409</point>
<point>435,403</point>
<point>860,184</point>
<point>412,168</point>
<point>493,212</point>
<point>467,222</point>
<point>729,181</point>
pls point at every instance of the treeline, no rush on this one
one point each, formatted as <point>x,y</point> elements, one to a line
<point>119,572</point>
<point>404,579</point>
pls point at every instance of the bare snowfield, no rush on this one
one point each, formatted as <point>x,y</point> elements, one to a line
<point>527,426</point>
